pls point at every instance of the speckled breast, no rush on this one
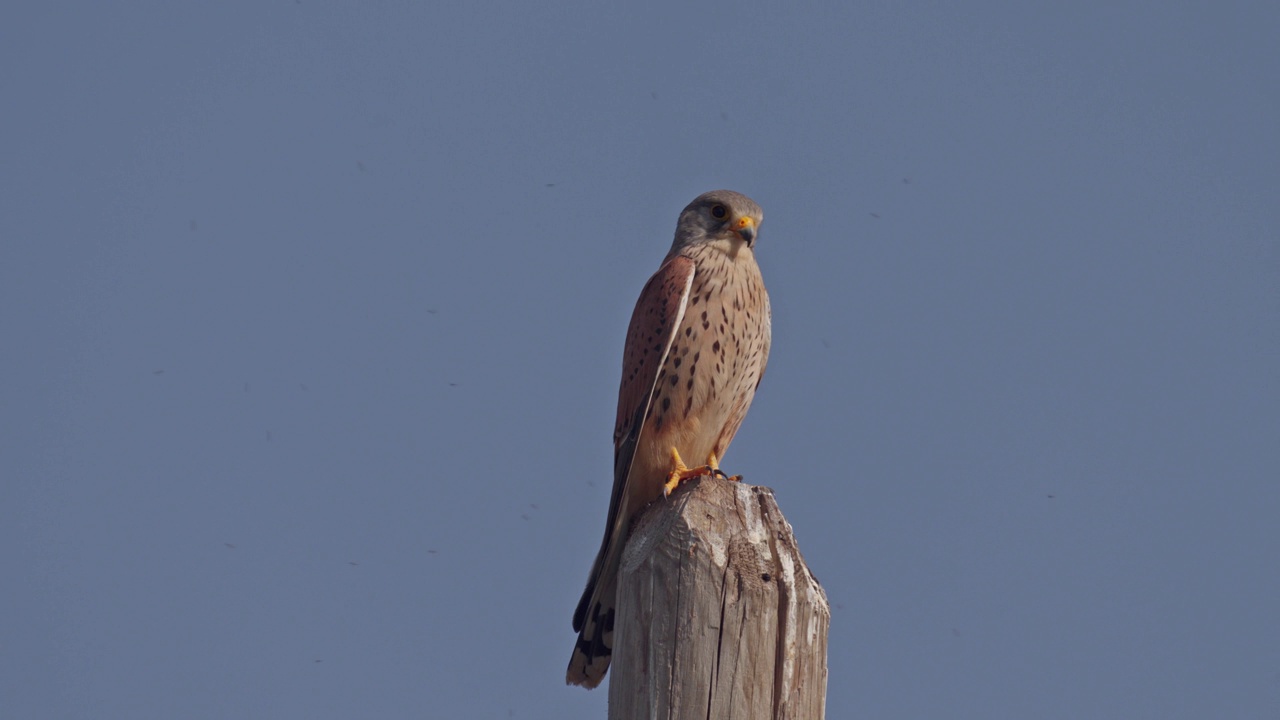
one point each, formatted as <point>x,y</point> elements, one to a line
<point>716,359</point>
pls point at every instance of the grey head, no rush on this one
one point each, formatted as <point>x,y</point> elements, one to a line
<point>719,216</point>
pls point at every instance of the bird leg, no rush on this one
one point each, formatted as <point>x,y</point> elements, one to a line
<point>713,462</point>
<point>682,472</point>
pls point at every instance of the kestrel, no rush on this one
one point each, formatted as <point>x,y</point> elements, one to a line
<point>696,350</point>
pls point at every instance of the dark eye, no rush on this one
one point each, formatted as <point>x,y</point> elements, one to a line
<point>719,212</point>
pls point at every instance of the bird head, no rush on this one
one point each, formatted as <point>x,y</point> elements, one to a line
<point>719,216</point>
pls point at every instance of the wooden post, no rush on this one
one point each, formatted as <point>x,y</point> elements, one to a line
<point>718,617</point>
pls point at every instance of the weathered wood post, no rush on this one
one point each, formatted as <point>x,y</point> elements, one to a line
<point>718,616</point>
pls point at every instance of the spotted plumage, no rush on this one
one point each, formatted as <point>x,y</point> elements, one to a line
<point>695,352</point>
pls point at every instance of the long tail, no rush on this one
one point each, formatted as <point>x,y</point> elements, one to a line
<point>594,622</point>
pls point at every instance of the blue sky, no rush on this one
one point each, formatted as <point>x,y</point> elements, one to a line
<point>315,316</point>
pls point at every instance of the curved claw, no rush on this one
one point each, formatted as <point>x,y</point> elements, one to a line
<point>713,462</point>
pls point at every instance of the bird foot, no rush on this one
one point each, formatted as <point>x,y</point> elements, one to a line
<point>683,472</point>
<point>714,462</point>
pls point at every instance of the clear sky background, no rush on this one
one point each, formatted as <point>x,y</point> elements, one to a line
<point>313,319</point>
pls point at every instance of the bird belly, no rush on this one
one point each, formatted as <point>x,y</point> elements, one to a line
<point>705,384</point>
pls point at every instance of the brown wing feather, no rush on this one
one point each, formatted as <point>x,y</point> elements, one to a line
<point>654,323</point>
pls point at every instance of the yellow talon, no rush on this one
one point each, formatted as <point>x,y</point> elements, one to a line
<point>713,462</point>
<point>682,472</point>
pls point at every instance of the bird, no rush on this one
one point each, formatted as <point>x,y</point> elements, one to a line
<point>695,352</point>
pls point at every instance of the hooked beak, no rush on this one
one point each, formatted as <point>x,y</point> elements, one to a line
<point>746,228</point>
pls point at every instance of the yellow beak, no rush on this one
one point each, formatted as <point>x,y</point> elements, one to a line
<point>746,227</point>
